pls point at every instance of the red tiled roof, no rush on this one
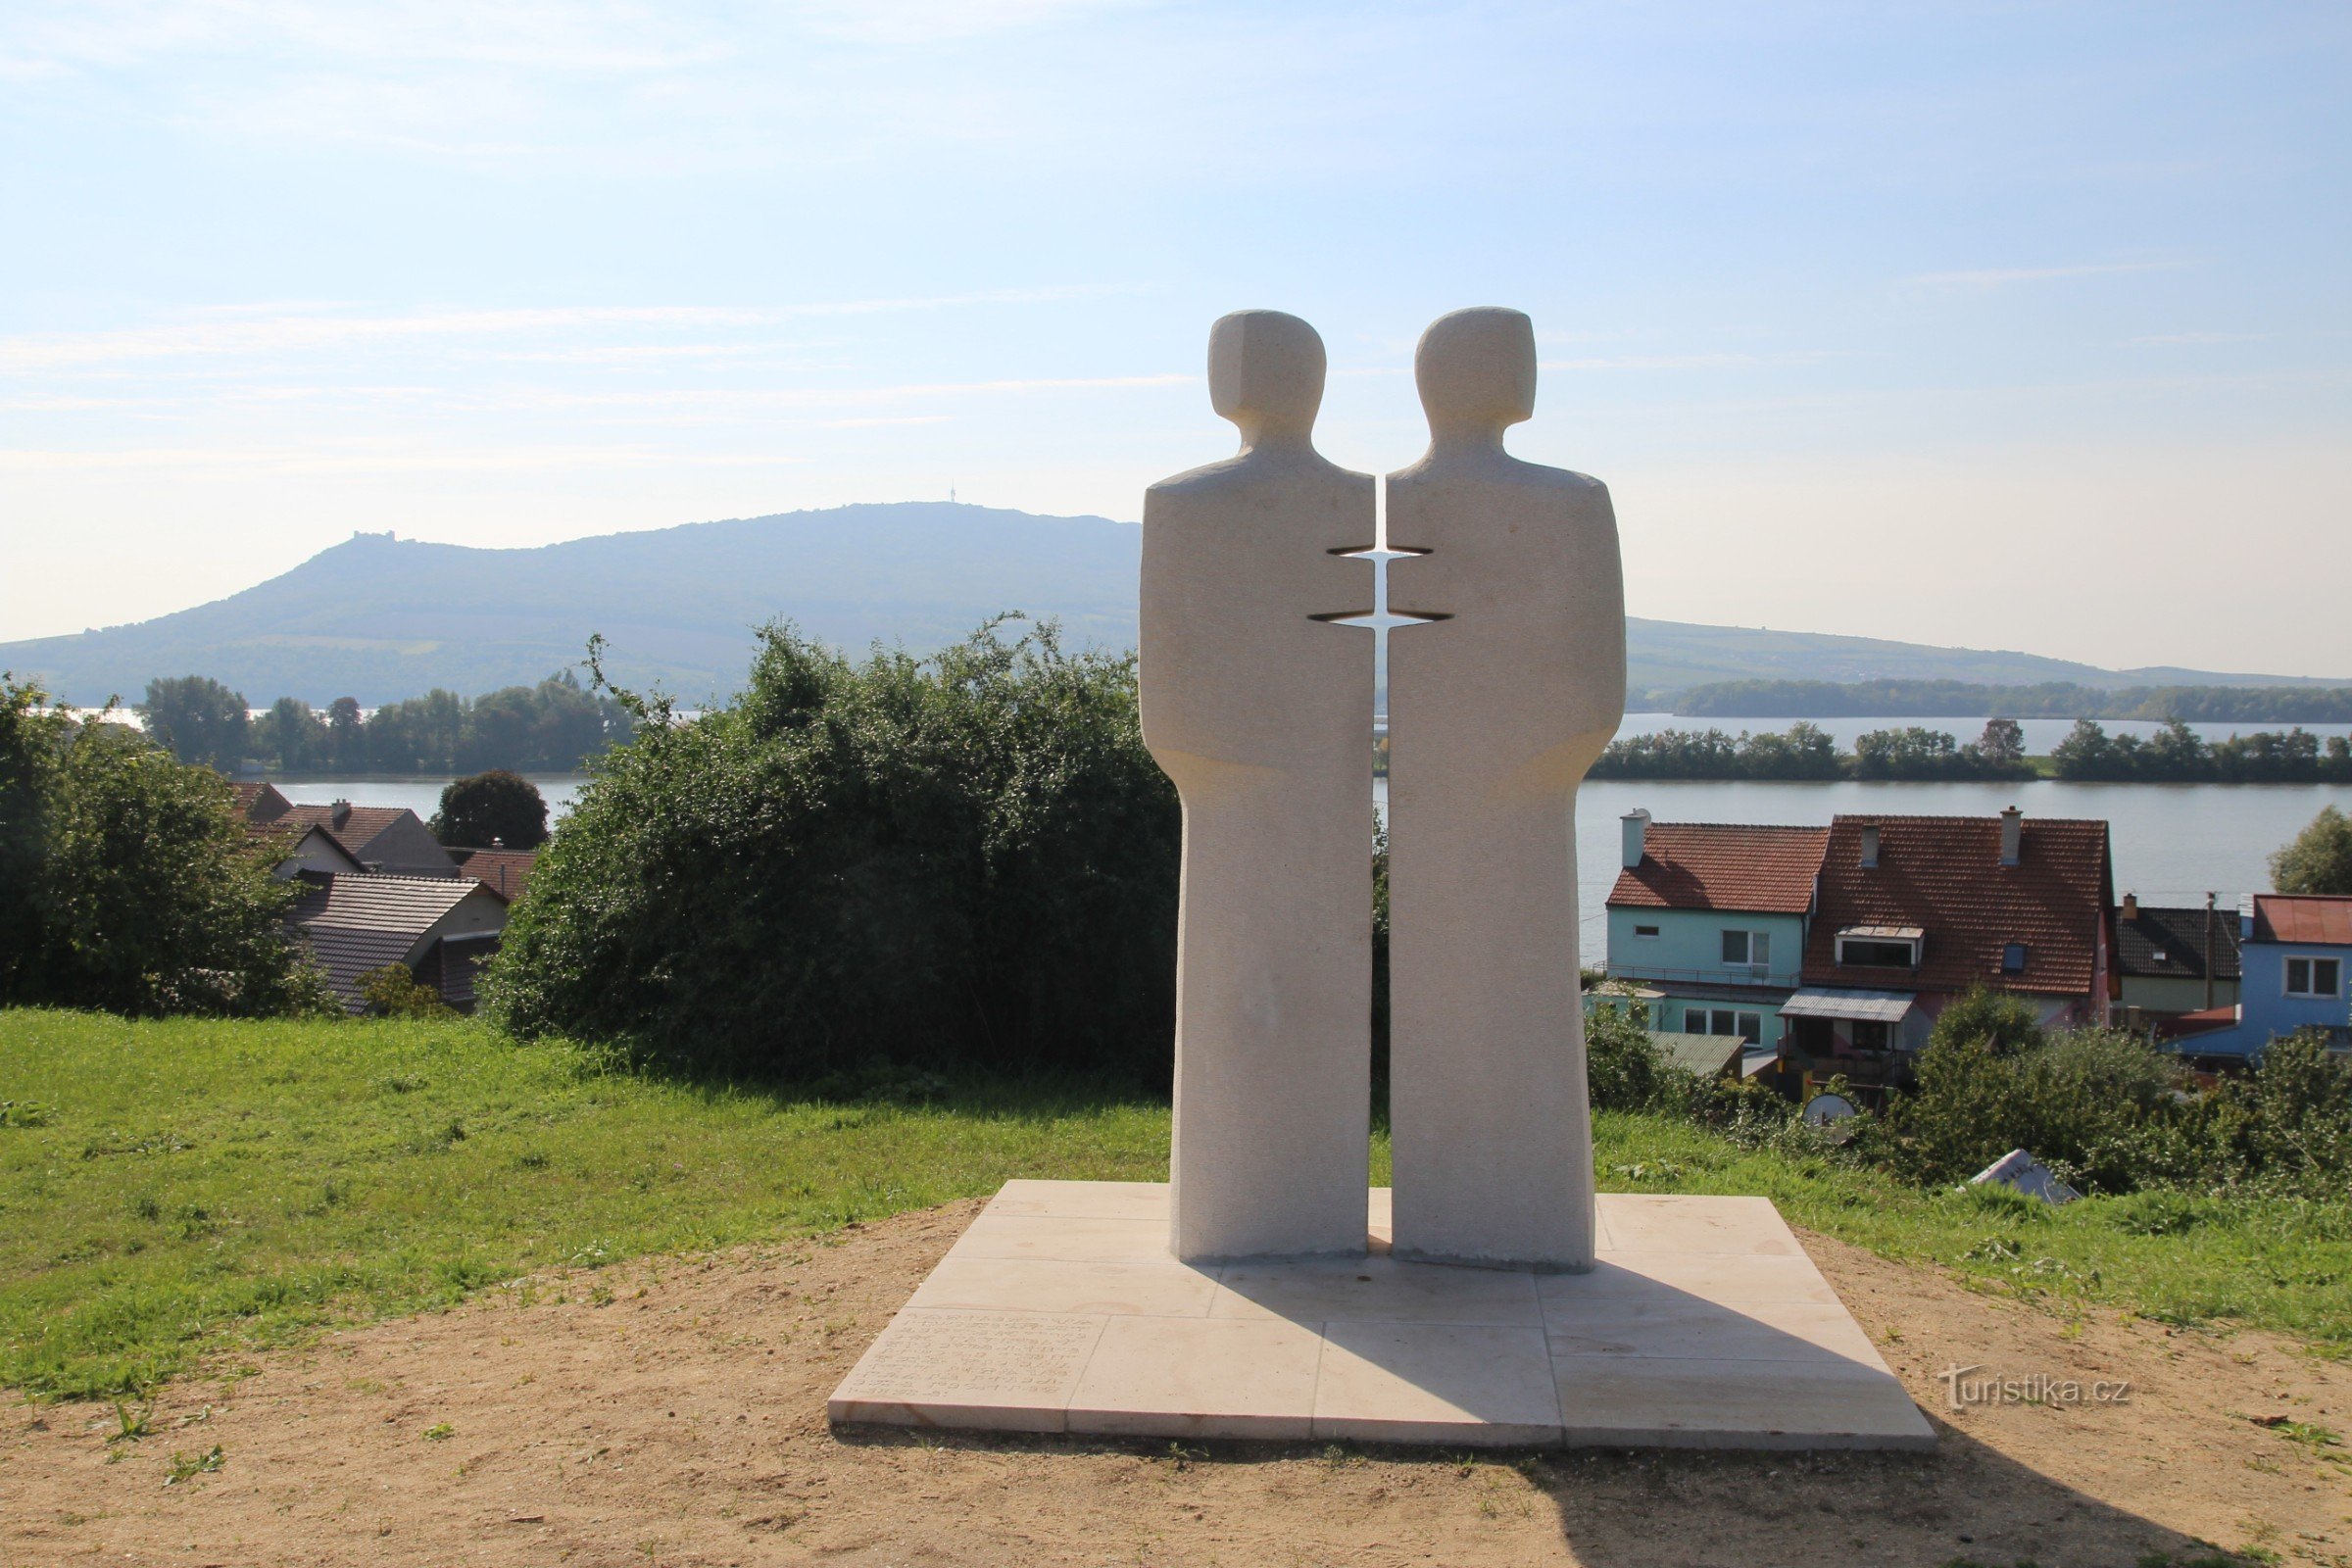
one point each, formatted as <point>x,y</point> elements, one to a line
<point>1944,875</point>
<point>2303,917</point>
<point>1713,866</point>
<point>506,870</point>
<point>258,799</point>
<point>361,824</point>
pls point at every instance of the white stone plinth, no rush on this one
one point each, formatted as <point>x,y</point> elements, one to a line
<point>1703,1324</point>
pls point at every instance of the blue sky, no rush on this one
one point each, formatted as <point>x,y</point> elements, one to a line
<point>2007,325</point>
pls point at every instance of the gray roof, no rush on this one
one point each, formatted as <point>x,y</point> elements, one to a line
<point>2169,942</point>
<point>356,924</point>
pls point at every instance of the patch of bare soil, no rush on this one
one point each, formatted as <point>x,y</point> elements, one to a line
<point>673,1413</point>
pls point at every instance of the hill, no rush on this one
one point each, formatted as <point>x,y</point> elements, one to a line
<point>380,618</point>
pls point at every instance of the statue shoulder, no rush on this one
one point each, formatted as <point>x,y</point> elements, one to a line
<point>1209,479</point>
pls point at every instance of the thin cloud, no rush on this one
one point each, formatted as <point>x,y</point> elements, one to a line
<point>310,331</point>
<point>2004,277</point>
<point>2181,339</point>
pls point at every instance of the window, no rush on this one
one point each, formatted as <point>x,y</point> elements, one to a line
<point>1747,947</point>
<point>1747,1026</point>
<point>2013,958</point>
<point>1645,931</point>
<point>1870,1034</point>
<point>1879,955</point>
<point>2314,977</point>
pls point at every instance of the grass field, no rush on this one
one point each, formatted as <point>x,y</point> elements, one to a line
<point>188,1191</point>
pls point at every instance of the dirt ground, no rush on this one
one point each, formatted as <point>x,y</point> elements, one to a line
<point>673,1413</point>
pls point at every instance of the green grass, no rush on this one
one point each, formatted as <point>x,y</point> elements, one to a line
<point>181,1193</point>
<point>2273,1264</point>
<point>184,1188</point>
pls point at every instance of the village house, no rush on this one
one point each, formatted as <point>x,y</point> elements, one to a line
<point>1707,924</point>
<point>442,929</point>
<point>2174,960</point>
<point>391,839</point>
<point>376,888</point>
<point>1915,911</point>
<point>2295,956</point>
<point>1838,947</point>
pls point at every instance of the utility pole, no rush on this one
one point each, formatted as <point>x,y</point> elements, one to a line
<point>2209,950</point>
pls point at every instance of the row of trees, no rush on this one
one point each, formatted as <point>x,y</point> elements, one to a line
<point>128,881</point>
<point>1954,699</point>
<point>552,727</point>
<point>2178,755</point>
<point>1806,751</point>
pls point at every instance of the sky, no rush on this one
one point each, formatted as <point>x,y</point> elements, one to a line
<point>2000,325</point>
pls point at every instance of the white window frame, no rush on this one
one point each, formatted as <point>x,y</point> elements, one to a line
<point>1646,933</point>
<point>1911,942</point>
<point>1756,945</point>
<point>2311,989</point>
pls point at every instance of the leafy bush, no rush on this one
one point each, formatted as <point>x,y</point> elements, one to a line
<point>2082,1102</point>
<point>962,861</point>
<point>131,884</point>
<point>1625,1068</point>
<point>394,991</point>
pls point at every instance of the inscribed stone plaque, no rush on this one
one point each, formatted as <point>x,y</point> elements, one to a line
<point>1003,1371</point>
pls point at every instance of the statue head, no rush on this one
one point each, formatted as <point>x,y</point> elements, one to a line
<point>1476,369</point>
<point>1265,373</point>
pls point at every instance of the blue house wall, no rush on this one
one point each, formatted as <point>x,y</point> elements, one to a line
<point>2265,1010</point>
<point>1687,954</point>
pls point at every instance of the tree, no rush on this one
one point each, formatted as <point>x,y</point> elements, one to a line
<point>34,737</point>
<point>966,863</point>
<point>346,737</point>
<point>135,887</point>
<point>290,736</point>
<point>497,809</point>
<point>198,719</point>
<point>2002,744</point>
<point>2320,858</point>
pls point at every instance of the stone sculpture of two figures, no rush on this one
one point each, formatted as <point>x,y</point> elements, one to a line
<point>1257,703</point>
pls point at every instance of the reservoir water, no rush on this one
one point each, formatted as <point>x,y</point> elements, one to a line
<point>2173,842</point>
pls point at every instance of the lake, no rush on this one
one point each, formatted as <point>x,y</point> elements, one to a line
<point>2173,842</point>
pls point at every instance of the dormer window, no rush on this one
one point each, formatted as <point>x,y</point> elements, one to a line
<point>1881,946</point>
<point>2013,958</point>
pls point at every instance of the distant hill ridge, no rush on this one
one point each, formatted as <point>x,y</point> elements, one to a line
<point>379,619</point>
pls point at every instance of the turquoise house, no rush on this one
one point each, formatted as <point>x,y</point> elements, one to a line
<point>1707,924</point>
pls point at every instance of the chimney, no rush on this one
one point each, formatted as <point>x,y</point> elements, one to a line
<point>340,813</point>
<point>1870,844</point>
<point>2013,831</point>
<point>2131,910</point>
<point>1637,835</point>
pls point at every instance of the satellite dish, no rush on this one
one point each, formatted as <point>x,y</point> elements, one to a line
<point>1827,1111</point>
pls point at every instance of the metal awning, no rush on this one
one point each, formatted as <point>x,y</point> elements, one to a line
<point>1867,1006</point>
<point>1884,933</point>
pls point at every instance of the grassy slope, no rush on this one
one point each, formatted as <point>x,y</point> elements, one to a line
<point>191,1189</point>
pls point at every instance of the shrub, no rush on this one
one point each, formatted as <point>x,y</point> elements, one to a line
<point>394,991</point>
<point>2081,1103</point>
<point>132,884</point>
<point>1626,1069</point>
<point>962,861</point>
